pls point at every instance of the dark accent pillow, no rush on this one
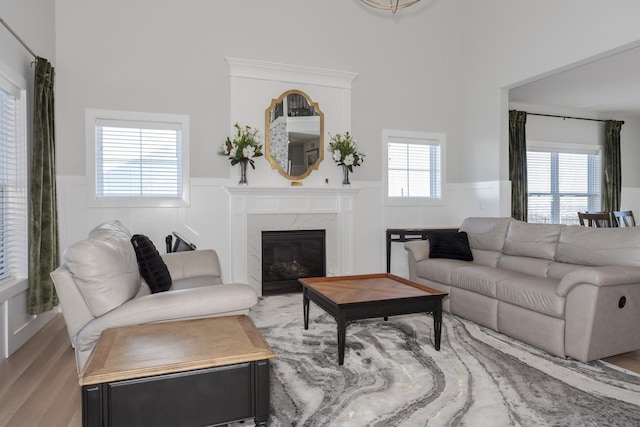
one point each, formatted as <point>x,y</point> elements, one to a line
<point>449,244</point>
<point>152,267</point>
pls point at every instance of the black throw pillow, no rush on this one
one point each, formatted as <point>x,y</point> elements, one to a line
<point>152,267</point>
<point>449,244</point>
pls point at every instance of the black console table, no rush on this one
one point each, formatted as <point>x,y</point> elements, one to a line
<point>408,234</point>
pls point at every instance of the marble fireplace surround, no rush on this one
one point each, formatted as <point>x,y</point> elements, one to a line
<point>253,210</point>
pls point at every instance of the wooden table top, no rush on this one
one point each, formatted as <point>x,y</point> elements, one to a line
<point>161,348</point>
<point>367,288</point>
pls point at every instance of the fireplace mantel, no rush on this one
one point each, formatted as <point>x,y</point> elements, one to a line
<point>310,202</point>
<point>252,200</point>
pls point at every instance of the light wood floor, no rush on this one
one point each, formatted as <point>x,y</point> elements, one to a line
<point>39,384</point>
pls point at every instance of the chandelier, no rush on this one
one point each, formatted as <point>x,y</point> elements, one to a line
<point>392,5</point>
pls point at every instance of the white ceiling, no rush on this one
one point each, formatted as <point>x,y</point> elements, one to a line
<point>608,85</point>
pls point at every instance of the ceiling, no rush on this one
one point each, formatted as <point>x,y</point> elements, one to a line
<point>607,85</point>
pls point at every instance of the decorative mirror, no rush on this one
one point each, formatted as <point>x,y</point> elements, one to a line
<point>294,135</point>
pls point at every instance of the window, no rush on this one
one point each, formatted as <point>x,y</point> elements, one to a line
<point>414,166</point>
<point>13,186</point>
<point>561,182</point>
<point>137,159</point>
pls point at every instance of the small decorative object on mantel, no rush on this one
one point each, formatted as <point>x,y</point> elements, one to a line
<point>242,149</point>
<point>345,152</point>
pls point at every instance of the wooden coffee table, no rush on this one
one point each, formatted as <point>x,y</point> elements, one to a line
<point>188,373</point>
<point>349,298</point>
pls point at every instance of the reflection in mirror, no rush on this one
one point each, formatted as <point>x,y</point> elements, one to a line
<point>294,140</point>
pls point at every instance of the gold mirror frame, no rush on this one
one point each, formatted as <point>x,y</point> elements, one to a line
<point>270,112</point>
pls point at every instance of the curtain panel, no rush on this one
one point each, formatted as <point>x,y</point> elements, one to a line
<point>611,166</point>
<point>43,227</point>
<point>518,164</point>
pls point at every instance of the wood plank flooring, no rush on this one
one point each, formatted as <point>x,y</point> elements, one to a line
<point>39,385</point>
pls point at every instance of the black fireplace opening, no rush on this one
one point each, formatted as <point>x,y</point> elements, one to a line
<point>289,255</point>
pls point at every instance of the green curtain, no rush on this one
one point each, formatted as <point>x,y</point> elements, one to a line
<point>611,166</point>
<point>518,164</point>
<point>43,227</point>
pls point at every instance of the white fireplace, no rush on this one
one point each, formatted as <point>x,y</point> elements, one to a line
<point>257,209</point>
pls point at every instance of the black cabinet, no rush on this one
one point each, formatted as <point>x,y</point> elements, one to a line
<point>193,398</point>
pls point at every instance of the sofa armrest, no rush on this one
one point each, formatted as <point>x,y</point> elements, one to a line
<point>168,306</point>
<point>188,264</point>
<point>599,276</point>
<point>418,249</point>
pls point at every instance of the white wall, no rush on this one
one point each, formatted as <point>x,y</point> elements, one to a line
<point>33,22</point>
<point>507,43</point>
<point>439,66</point>
<point>169,57</point>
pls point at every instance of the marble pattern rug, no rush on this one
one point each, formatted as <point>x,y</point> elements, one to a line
<point>392,375</point>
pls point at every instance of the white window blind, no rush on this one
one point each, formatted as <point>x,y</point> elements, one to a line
<point>13,189</point>
<point>138,159</point>
<point>562,183</point>
<point>413,168</point>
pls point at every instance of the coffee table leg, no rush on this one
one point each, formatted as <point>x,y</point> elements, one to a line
<point>305,311</point>
<point>342,335</point>
<point>437,323</point>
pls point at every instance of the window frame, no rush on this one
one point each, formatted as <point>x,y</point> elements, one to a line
<point>19,252</point>
<point>92,116</point>
<point>568,148</point>
<point>388,136</point>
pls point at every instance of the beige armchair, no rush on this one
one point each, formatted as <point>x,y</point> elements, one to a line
<point>99,287</point>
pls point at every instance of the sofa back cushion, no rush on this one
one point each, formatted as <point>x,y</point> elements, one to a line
<point>486,233</point>
<point>532,240</point>
<point>104,267</point>
<point>599,246</point>
<point>488,258</point>
<point>531,266</point>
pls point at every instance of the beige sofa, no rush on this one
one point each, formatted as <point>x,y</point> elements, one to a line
<point>572,291</point>
<point>99,287</point>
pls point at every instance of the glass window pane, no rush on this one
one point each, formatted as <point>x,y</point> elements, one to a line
<point>561,184</point>
<point>573,173</point>
<point>138,162</point>
<point>413,169</point>
<point>539,172</point>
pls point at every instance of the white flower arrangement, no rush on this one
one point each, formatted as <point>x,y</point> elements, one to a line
<point>344,151</point>
<point>244,146</point>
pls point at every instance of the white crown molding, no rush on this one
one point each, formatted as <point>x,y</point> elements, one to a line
<point>262,70</point>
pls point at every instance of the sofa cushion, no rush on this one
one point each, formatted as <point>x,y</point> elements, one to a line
<point>531,266</point>
<point>481,279</point>
<point>599,246</point>
<point>439,269</point>
<point>534,293</point>
<point>557,270</point>
<point>151,265</point>
<point>532,240</point>
<point>104,267</point>
<point>450,245</point>
<point>486,233</point>
<point>207,301</point>
<point>488,258</point>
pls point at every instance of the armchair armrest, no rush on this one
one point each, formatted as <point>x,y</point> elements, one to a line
<point>418,249</point>
<point>188,264</point>
<point>599,276</point>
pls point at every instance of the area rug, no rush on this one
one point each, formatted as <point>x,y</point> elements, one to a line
<point>393,376</point>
